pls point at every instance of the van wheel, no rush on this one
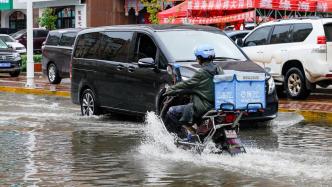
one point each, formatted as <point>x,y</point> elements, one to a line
<point>15,73</point>
<point>88,102</point>
<point>53,74</point>
<point>295,84</point>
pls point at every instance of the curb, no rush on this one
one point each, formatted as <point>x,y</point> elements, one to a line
<point>34,91</point>
<point>312,116</point>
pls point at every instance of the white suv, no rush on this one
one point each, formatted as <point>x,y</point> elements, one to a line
<point>296,52</point>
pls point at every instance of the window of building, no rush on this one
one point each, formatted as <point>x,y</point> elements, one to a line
<point>66,17</point>
<point>17,20</point>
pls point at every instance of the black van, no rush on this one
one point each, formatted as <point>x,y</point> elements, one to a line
<point>56,53</point>
<point>126,68</point>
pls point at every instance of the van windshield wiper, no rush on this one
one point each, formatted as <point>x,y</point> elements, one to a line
<point>226,58</point>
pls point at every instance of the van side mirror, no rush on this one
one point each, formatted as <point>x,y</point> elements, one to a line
<point>146,63</point>
<point>239,42</point>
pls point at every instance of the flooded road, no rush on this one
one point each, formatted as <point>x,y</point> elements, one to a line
<point>45,142</point>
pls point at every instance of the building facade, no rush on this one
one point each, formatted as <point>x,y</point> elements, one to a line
<point>70,13</point>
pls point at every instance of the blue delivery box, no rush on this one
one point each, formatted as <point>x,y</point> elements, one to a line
<point>240,91</point>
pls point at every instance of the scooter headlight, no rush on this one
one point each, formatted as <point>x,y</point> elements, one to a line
<point>272,86</point>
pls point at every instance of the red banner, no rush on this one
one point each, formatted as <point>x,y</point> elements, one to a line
<point>220,4</point>
<point>245,16</point>
<point>292,5</point>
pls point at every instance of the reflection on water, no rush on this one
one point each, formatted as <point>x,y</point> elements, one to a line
<point>45,142</point>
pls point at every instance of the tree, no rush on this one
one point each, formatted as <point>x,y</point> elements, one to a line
<point>152,7</point>
<point>48,19</point>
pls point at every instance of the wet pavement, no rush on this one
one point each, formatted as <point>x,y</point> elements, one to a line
<point>45,142</point>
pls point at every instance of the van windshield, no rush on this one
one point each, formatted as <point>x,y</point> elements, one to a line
<point>181,44</point>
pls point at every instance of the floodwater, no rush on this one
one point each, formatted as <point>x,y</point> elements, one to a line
<point>45,142</point>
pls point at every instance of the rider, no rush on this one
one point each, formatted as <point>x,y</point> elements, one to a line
<point>200,86</point>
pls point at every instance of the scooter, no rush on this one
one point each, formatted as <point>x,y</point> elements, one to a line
<point>218,126</point>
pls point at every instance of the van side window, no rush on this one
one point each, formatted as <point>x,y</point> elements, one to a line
<point>53,38</point>
<point>258,37</point>
<point>68,39</point>
<point>88,46</point>
<point>301,31</point>
<point>145,47</point>
<point>115,46</point>
<point>281,34</point>
<point>112,46</point>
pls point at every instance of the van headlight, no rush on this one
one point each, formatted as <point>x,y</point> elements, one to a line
<point>272,85</point>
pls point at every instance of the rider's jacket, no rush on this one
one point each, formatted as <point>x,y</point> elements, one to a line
<point>201,87</point>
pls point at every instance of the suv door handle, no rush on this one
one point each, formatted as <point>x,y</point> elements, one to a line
<point>260,52</point>
<point>120,67</point>
<point>284,50</point>
<point>131,69</point>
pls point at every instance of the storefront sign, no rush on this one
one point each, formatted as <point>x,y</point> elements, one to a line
<point>6,4</point>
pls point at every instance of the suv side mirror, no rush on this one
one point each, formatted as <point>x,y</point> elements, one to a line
<point>239,42</point>
<point>146,63</point>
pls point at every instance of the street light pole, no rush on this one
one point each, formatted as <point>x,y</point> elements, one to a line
<point>30,63</point>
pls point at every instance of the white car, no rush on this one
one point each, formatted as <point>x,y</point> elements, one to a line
<point>10,41</point>
<point>296,52</point>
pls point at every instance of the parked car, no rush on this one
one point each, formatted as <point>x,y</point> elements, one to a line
<point>56,54</point>
<point>39,36</point>
<point>10,41</point>
<point>296,52</point>
<point>7,30</point>
<point>125,68</point>
<point>237,34</point>
<point>10,60</point>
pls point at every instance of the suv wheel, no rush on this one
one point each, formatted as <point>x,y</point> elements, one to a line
<point>15,73</point>
<point>89,105</point>
<point>53,74</point>
<point>295,84</point>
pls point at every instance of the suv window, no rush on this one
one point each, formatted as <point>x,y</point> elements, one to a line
<point>53,38</point>
<point>111,46</point>
<point>145,47</point>
<point>258,37</point>
<point>328,32</point>
<point>301,31</point>
<point>68,39</point>
<point>281,34</point>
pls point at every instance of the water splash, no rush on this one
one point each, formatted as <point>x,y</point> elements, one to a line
<point>158,144</point>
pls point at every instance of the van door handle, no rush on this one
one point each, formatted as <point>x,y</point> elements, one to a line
<point>131,69</point>
<point>120,67</point>
<point>260,52</point>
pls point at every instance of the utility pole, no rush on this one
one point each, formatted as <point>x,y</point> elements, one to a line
<point>30,62</point>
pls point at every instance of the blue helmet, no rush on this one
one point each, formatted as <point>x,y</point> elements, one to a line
<point>204,52</point>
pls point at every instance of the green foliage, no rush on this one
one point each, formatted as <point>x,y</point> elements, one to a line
<point>48,19</point>
<point>36,59</point>
<point>152,7</point>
